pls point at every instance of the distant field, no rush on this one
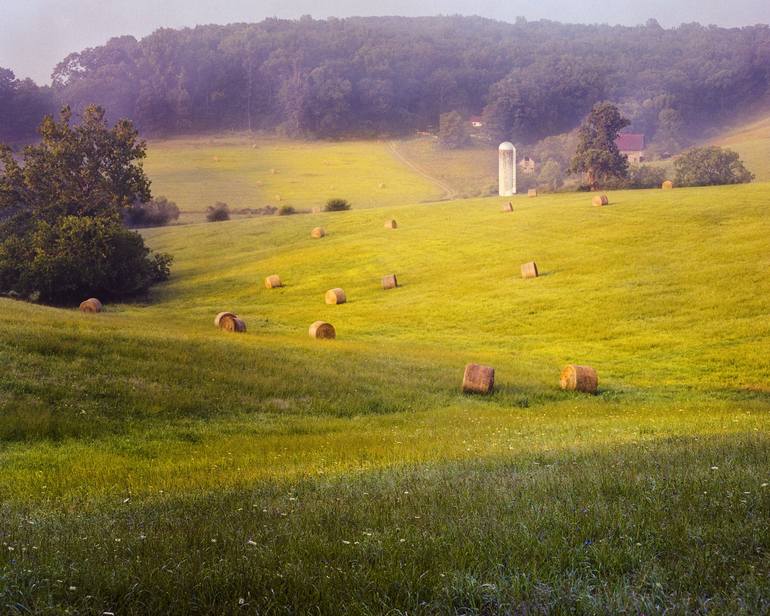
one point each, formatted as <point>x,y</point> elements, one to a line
<point>248,173</point>
<point>752,142</point>
<point>153,464</point>
<point>470,172</point>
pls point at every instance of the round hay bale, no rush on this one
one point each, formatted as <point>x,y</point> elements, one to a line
<point>382,184</point>
<point>667,185</point>
<point>507,207</point>
<point>273,171</point>
<point>389,282</point>
<point>318,232</point>
<point>532,192</point>
<point>316,210</point>
<point>91,305</point>
<point>335,296</point>
<point>600,200</point>
<point>216,159</point>
<point>579,378</point>
<point>222,315</point>
<point>278,197</point>
<point>391,224</point>
<point>322,330</point>
<point>273,281</point>
<point>529,270</point>
<point>478,379</point>
<point>232,324</point>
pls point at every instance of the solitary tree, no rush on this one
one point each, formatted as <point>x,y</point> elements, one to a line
<point>710,166</point>
<point>597,153</point>
<point>62,236</point>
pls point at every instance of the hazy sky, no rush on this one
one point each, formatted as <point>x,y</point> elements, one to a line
<point>36,34</point>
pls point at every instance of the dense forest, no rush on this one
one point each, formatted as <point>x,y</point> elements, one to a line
<point>387,76</point>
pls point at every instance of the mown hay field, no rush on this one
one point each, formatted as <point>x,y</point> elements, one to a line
<point>245,172</point>
<point>151,462</point>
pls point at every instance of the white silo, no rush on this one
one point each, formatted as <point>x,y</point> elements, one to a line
<point>507,169</point>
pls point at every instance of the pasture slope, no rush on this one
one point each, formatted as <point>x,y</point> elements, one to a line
<point>196,172</point>
<point>151,463</point>
<point>752,141</point>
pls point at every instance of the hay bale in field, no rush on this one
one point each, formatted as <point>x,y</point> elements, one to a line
<point>216,159</point>
<point>335,296</point>
<point>278,197</point>
<point>232,324</point>
<point>529,270</point>
<point>318,232</point>
<point>91,305</point>
<point>478,379</point>
<point>508,207</point>
<point>382,184</point>
<point>532,192</point>
<point>389,282</point>
<point>391,224</point>
<point>222,315</point>
<point>316,210</point>
<point>600,200</point>
<point>322,331</point>
<point>273,171</point>
<point>667,185</point>
<point>273,281</point>
<point>579,378</point>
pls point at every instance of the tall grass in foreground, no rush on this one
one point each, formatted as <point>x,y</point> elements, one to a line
<point>151,463</point>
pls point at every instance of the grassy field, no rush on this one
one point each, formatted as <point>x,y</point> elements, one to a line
<point>244,172</point>
<point>153,464</point>
<point>468,172</point>
<point>752,142</point>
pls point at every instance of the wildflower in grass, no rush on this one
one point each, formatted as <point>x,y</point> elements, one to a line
<point>251,542</point>
<point>714,468</point>
<point>346,542</point>
<point>73,587</point>
<point>241,601</point>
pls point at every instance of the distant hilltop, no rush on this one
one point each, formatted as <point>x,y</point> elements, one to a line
<point>389,76</point>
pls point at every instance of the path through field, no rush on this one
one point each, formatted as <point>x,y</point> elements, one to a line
<point>449,192</point>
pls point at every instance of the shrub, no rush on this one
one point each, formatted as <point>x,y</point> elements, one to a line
<point>710,166</point>
<point>217,212</point>
<point>81,256</point>
<point>156,212</point>
<point>639,176</point>
<point>286,210</point>
<point>336,205</point>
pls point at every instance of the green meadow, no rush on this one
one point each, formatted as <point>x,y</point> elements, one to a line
<point>245,172</point>
<point>150,462</point>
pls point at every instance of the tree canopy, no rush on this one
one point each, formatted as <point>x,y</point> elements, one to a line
<point>597,154</point>
<point>62,236</point>
<point>392,75</point>
<point>710,166</point>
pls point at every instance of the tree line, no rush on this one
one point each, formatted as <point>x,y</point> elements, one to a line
<point>366,77</point>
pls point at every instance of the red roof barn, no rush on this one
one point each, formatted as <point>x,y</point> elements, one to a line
<point>632,145</point>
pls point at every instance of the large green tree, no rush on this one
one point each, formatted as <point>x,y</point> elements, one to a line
<point>62,236</point>
<point>452,133</point>
<point>710,166</point>
<point>597,154</point>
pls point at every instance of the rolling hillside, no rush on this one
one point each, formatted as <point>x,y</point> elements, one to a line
<point>151,462</point>
<point>752,142</point>
<point>245,173</point>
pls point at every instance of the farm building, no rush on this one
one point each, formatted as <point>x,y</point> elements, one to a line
<point>527,165</point>
<point>476,121</point>
<point>632,145</point>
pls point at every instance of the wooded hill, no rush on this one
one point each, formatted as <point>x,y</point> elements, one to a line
<point>391,75</point>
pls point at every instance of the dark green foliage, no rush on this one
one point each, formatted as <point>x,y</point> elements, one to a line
<point>452,133</point>
<point>639,176</point>
<point>286,210</point>
<point>156,212</point>
<point>79,256</point>
<point>61,235</point>
<point>371,76</point>
<point>551,176</point>
<point>336,205</point>
<point>710,166</point>
<point>597,155</point>
<point>22,105</point>
<point>218,212</point>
